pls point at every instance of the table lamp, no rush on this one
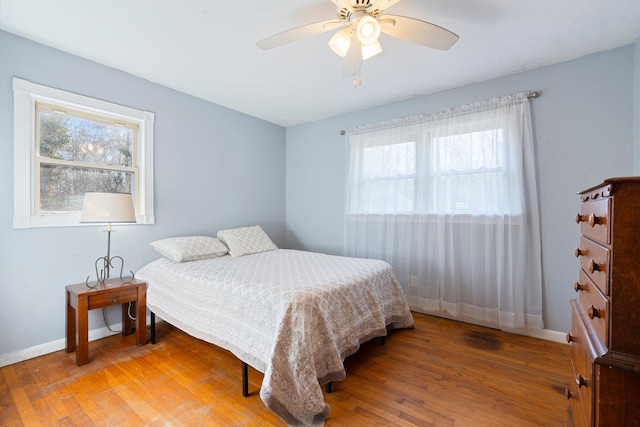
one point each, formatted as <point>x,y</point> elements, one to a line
<point>107,208</point>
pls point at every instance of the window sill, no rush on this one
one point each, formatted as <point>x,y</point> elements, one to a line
<point>63,220</point>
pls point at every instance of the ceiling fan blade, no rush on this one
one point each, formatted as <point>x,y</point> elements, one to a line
<point>417,31</point>
<point>298,33</point>
<point>381,5</point>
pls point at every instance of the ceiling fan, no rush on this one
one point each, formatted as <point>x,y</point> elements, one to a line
<point>360,23</point>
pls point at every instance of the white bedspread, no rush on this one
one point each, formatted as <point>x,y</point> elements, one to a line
<point>292,315</point>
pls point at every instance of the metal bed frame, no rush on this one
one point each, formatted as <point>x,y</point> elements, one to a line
<point>245,366</point>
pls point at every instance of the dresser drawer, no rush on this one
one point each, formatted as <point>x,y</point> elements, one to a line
<point>595,305</point>
<point>106,299</point>
<point>594,260</point>
<point>578,417</point>
<point>594,219</point>
<point>582,358</point>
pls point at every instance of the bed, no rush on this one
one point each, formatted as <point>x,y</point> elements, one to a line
<point>292,315</point>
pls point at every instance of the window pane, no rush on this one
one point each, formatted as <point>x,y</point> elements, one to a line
<point>469,151</point>
<point>389,177</point>
<point>62,188</point>
<point>390,196</point>
<point>468,171</point>
<point>390,160</point>
<point>70,138</point>
<point>470,193</point>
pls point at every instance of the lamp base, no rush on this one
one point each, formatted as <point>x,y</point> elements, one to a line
<point>103,273</point>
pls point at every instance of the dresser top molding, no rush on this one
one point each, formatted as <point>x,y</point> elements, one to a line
<point>616,180</point>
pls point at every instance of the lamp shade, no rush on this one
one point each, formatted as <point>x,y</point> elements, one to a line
<point>108,208</point>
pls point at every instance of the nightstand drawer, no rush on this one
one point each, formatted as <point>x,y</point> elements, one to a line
<point>106,299</point>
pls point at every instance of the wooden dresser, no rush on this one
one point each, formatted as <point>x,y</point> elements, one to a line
<point>605,330</point>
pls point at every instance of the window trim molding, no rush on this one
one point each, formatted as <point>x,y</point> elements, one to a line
<point>25,95</point>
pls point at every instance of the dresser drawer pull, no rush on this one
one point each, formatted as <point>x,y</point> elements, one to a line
<point>579,287</point>
<point>593,220</point>
<point>581,381</point>
<point>568,394</point>
<point>115,298</point>
<point>570,338</point>
<point>594,266</point>
<point>579,252</point>
<point>594,312</point>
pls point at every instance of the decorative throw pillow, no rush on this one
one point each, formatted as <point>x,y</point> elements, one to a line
<point>190,248</point>
<point>246,240</point>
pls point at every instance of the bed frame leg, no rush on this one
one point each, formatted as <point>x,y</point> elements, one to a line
<point>327,387</point>
<point>245,380</point>
<point>153,328</point>
<point>383,340</point>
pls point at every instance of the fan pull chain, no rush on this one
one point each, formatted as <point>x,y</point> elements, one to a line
<point>357,81</point>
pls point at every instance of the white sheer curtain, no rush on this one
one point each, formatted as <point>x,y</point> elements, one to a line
<point>450,201</point>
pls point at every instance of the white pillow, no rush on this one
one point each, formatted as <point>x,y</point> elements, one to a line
<point>189,248</point>
<point>246,240</point>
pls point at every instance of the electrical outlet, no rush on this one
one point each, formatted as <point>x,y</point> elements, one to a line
<point>414,281</point>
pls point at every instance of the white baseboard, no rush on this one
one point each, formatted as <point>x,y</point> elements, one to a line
<point>544,334</point>
<point>96,334</point>
<point>57,345</point>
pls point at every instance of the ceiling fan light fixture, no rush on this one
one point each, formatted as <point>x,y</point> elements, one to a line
<point>368,30</point>
<point>341,42</point>
<point>358,25</point>
<point>370,50</point>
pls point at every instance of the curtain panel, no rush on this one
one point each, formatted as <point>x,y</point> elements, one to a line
<point>450,201</point>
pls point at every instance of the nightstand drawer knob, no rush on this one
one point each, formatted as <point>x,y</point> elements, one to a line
<point>579,287</point>
<point>569,338</point>
<point>115,298</point>
<point>578,252</point>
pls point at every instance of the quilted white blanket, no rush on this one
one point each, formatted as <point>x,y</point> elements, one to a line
<point>293,315</point>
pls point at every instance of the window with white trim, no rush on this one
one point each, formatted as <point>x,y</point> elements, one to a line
<point>67,144</point>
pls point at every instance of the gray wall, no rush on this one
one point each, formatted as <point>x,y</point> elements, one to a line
<point>214,168</point>
<point>584,129</point>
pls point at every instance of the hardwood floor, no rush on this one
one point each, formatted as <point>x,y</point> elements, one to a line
<point>442,373</point>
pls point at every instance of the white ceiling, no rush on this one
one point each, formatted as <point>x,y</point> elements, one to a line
<point>207,48</point>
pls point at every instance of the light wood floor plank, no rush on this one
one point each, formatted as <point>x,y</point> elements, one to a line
<point>20,388</point>
<point>442,373</point>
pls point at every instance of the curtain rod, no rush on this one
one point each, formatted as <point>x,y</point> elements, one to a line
<point>532,94</point>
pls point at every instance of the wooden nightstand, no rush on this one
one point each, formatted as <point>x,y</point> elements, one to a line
<point>81,299</point>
